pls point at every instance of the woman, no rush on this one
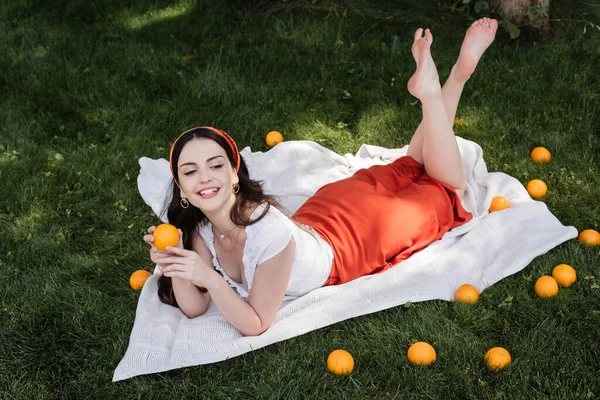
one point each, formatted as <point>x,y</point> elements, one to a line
<point>350,228</point>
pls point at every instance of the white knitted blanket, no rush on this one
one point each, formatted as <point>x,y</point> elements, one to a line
<point>481,252</point>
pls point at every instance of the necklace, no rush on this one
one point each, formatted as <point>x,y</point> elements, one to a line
<point>222,234</point>
<point>234,243</point>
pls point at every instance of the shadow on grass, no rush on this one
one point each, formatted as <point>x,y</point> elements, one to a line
<point>181,56</point>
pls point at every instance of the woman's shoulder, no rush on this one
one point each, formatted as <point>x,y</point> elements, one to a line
<point>268,224</point>
<point>254,213</point>
<point>265,238</point>
<point>265,212</point>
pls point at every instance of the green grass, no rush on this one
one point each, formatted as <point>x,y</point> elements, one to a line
<point>87,87</point>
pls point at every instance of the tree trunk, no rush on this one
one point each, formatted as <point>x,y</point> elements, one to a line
<point>517,12</point>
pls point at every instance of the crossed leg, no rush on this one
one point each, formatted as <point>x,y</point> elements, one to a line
<point>433,143</point>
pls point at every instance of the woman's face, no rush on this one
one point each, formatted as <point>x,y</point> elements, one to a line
<point>206,176</point>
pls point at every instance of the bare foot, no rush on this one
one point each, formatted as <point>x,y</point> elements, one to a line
<point>478,38</point>
<point>425,82</point>
<point>414,50</point>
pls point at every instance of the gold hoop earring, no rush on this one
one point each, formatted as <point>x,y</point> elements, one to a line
<point>236,188</point>
<point>184,203</point>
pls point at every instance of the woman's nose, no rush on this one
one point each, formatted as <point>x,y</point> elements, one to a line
<point>204,176</point>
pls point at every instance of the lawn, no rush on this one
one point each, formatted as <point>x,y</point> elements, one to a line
<point>88,87</point>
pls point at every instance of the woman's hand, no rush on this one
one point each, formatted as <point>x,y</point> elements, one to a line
<point>153,250</point>
<point>186,264</point>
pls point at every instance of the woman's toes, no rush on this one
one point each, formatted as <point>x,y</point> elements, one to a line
<point>428,35</point>
<point>419,34</point>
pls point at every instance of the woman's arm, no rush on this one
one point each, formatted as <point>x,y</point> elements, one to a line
<point>266,294</point>
<point>190,299</point>
<point>251,318</point>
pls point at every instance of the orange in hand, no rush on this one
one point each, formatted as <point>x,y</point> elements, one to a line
<point>564,274</point>
<point>499,203</point>
<point>273,138</point>
<point>138,278</point>
<point>340,362</point>
<point>537,188</point>
<point>467,294</point>
<point>590,237</point>
<point>497,358</point>
<point>540,155</point>
<point>165,235</point>
<point>546,286</point>
<point>421,353</point>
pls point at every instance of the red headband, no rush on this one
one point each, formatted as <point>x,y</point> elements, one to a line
<point>228,139</point>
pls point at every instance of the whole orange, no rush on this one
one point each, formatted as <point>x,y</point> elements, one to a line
<point>564,274</point>
<point>537,188</point>
<point>421,353</point>
<point>138,278</point>
<point>546,286</point>
<point>165,235</point>
<point>540,155</point>
<point>467,294</point>
<point>273,138</point>
<point>340,362</point>
<point>497,358</point>
<point>590,237</point>
<point>499,203</point>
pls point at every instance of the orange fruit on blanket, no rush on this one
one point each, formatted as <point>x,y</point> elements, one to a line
<point>590,237</point>
<point>467,294</point>
<point>165,235</point>
<point>564,274</point>
<point>499,203</point>
<point>540,155</point>
<point>421,353</point>
<point>273,138</point>
<point>138,278</point>
<point>497,358</point>
<point>546,286</point>
<point>537,188</point>
<point>340,362</point>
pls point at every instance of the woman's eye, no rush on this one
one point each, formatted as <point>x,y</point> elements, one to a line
<point>193,170</point>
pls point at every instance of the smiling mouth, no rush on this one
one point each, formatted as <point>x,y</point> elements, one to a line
<point>207,194</point>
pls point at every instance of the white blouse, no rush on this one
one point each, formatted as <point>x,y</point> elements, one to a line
<point>268,237</point>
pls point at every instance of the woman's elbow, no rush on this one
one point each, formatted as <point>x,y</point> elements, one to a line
<point>195,312</point>
<point>254,332</point>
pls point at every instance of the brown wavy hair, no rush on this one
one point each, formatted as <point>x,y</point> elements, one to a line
<point>187,219</point>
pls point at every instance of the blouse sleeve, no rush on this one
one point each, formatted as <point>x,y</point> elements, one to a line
<point>264,240</point>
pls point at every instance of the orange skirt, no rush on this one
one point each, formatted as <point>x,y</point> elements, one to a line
<point>380,216</point>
